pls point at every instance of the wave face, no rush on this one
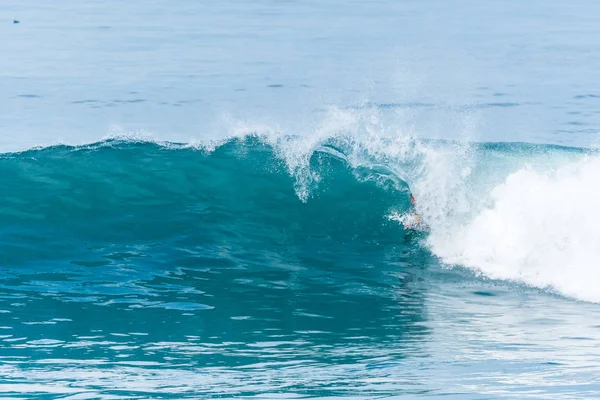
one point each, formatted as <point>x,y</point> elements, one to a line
<point>508,211</point>
<point>240,193</point>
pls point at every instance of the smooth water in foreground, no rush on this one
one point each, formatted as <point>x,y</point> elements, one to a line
<point>207,200</point>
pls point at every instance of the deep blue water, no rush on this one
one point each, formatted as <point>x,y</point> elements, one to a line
<point>208,200</point>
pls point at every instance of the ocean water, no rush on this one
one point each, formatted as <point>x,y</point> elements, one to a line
<point>207,200</point>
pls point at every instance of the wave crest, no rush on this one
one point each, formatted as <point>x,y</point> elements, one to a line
<point>511,211</point>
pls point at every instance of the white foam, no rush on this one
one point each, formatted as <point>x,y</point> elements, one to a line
<point>540,227</point>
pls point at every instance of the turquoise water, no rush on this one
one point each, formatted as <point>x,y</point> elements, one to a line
<point>208,200</point>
